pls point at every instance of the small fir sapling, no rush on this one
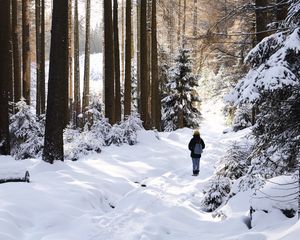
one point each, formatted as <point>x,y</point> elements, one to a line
<point>215,193</point>
<point>26,131</point>
<point>236,162</point>
<point>242,119</point>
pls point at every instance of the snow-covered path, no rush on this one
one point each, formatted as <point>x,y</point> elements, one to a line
<point>141,192</point>
<point>169,206</point>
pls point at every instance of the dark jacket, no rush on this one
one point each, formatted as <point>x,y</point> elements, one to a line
<point>194,140</point>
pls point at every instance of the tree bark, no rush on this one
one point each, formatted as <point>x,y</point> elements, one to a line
<point>179,23</point>
<point>117,64</point>
<point>261,20</point>
<point>77,98</point>
<point>16,52</point>
<point>281,10</point>
<point>109,88</point>
<point>38,54</point>
<point>184,21</point>
<point>155,99</point>
<point>144,65</point>
<point>4,76</point>
<point>86,81</point>
<point>26,50</point>
<point>138,53</point>
<point>57,84</point>
<point>69,104</point>
<point>42,60</point>
<point>127,96</point>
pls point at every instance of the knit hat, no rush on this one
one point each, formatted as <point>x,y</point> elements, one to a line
<point>196,133</point>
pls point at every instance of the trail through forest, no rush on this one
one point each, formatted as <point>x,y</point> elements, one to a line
<point>169,204</point>
<point>140,192</point>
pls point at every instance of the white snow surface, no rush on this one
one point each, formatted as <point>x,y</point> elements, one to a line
<point>101,197</point>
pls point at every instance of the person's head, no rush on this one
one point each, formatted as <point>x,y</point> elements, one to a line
<point>196,133</point>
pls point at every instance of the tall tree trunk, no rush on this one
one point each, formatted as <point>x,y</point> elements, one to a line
<point>109,88</point>
<point>117,64</point>
<point>26,50</point>
<point>57,84</point>
<point>123,43</point>
<point>42,60</point>
<point>77,98</point>
<point>281,10</point>
<point>195,18</point>
<point>144,65</point>
<point>184,22</point>
<point>38,54</point>
<point>86,81</point>
<point>127,95</point>
<point>149,9</point>
<point>155,99</point>
<point>69,105</point>
<point>261,27</point>
<point>4,75</point>
<point>179,23</point>
<point>261,19</point>
<point>16,52</point>
<point>10,69</point>
<point>138,53</point>
<point>170,26</point>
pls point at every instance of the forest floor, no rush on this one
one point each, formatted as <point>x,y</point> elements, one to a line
<point>140,192</point>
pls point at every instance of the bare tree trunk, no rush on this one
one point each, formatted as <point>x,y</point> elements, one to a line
<point>16,52</point>
<point>127,97</point>
<point>281,10</point>
<point>26,50</point>
<point>109,88</point>
<point>179,23</point>
<point>117,64</point>
<point>195,18</point>
<point>69,106</point>
<point>184,22</point>
<point>4,76</point>
<point>42,60</point>
<point>261,20</point>
<point>86,81</point>
<point>149,77</point>
<point>38,54</point>
<point>10,69</point>
<point>138,53</point>
<point>58,84</point>
<point>123,42</point>
<point>155,99</point>
<point>77,98</point>
<point>144,66</point>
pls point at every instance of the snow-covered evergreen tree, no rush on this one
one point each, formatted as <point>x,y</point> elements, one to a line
<point>215,193</point>
<point>26,131</point>
<point>273,85</point>
<point>180,95</point>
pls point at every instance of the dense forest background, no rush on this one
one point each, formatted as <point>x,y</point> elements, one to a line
<point>158,61</point>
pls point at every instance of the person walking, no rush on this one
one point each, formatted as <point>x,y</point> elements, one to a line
<point>196,147</point>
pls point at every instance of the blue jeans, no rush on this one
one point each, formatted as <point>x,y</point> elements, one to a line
<point>196,162</point>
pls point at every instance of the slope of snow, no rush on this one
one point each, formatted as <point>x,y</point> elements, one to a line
<point>141,192</point>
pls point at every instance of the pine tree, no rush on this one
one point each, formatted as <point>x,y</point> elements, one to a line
<point>26,50</point>
<point>86,86</point>
<point>180,98</point>
<point>58,84</point>
<point>4,63</point>
<point>77,99</point>
<point>144,110</point>
<point>117,62</point>
<point>127,100</point>
<point>109,79</point>
<point>16,52</point>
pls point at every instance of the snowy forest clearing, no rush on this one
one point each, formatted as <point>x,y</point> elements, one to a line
<point>143,192</point>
